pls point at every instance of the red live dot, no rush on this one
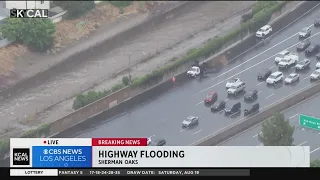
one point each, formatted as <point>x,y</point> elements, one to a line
<point>44,142</point>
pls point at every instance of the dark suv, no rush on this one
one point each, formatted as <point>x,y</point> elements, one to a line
<point>251,109</point>
<point>264,74</point>
<point>233,109</point>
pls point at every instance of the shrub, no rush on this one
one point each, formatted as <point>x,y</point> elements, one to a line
<point>125,80</point>
<point>117,87</point>
<point>257,7</point>
<point>4,147</point>
<point>76,8</point>
<point>35,33</point>
<point>85,99</point>
<point>121,4</point>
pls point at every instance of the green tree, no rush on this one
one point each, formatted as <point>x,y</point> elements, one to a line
<point>277,132</point>
<point>315,163</point>
<point>76,8</point>
<point>35,33</point>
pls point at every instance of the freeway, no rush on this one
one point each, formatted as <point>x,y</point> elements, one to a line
<point>162,116</point>
<point>302,136</point>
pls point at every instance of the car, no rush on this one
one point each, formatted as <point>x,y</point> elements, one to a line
<point>288,60</point>
<point>232,109</point>
<point>211,97</point>
<point>149,141</point>
<point>275,77</point>
<point>194,71</point>
<point>158,142</point>
<point>251,109</point>
<point>293,77</point>
<point>264,31</point>
<point>191,120</point>
<point>303,45</point>
<point>218,106</point>
<point>251,94</point>
<point>312,49</point>
<point>318,65</point>
<point>236,88</point>
<point>316,23</point>
<point>281,55</point>
<point>315,75</point>
<point>232,82</point>
<point>264,74</point>
<point>318,56</point>
<point>305,32</point>
<point>303,64</point>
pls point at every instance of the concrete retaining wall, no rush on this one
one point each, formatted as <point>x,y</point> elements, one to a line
<point>128,98</point>
<point>107,45</point>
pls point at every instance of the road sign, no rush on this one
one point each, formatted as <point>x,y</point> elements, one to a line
<point>309,122</point>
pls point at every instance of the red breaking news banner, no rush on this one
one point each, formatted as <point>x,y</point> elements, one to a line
<point>119,141</point>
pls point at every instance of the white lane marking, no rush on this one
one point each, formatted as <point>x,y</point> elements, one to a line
<point>305,78</point>
<point>293,116</point>
<point>231,124</point>
<point>272,67</point>
<point>255,135</point>
<point>183,129</point>
<point>302,143</point>
<point>269,96</point>
<point>248,67</point>
<point>315,150</point>
<point>197,132</point>
<point>259,92</point>
<point>260,83</point>
<point>199,103</point>
<point>152,136</point>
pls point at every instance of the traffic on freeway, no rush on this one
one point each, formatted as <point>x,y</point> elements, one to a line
<point>302,136</point>
<point>163,115</point>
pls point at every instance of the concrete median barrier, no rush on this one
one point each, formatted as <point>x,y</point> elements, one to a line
<point>245,123</point>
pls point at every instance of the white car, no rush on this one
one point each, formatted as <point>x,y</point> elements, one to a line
<point>232,82</point>
<point>281,55</point>
<point>264,31</point>
<point>149,141</point>
<point>235,88</point>
<point>288,60</point>
<point>293,77</point>
<point>275,77</point>
<point>191,120</point>
<point>303,64</point>
<point>315,75</point>
<point>194,71</point>
<point>305,32</point>
<point>318,65</point>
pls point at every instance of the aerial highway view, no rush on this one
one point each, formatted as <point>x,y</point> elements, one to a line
<point>182,116</point>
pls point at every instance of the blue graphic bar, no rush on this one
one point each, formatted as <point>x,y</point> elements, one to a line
<point>62,156</point>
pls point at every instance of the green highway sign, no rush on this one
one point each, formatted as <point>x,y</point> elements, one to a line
<point>309,122</point>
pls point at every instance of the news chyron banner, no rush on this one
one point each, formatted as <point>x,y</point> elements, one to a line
<point>134,152</point>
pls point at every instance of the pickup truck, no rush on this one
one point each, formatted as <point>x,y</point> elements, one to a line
<point>194,71</point>
<point>288,60</point>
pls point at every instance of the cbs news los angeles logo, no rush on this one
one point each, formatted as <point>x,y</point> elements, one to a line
<point>29,13</point>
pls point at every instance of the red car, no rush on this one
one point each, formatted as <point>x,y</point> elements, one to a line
<point>211,97</point>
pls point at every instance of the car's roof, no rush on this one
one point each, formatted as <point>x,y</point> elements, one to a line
<point>250,90</point>
<point>305,28</point>
<point>237,83</point>
<point>190,117</point>
<point>211,93</point>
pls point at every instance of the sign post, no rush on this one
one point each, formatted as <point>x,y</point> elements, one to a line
<point>309,122</point>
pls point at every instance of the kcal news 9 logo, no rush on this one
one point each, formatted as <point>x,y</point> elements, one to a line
<point>61,156</point>
<point>21,156</point>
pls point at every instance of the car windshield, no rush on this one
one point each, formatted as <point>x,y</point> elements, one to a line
<point>189,119</point>
<point>209,95</point>
<point>302,44</point>
<point>291,76</point>
<point>285,60</point>
<point>302,62</point>
<point>272,76</point>
<point>316,72</point>
<point>261,30</point>
<point>304,30</point>
<point>193,69</point>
